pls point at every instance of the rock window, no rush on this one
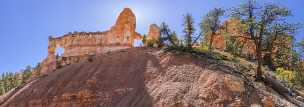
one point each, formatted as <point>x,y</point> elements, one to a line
<point>59,51</point>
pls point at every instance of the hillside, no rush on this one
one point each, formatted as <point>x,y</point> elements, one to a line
<point>143,77</point>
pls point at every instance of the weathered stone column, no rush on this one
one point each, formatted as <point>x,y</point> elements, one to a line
<point>49,64</point>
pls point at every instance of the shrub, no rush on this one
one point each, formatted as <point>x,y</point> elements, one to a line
<point>285,75</point>
<point>9,80</point>
<point>202,48</point>
<point>153,43</point>
<point>235,59</point>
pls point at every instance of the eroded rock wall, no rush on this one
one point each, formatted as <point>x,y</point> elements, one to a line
<point>121,35</point>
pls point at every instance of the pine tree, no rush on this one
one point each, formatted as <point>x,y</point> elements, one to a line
<point>188,30</point>
<point>10,80</point>
<point>167,37</point>
<point>144,39</point>
<point>258,21</point>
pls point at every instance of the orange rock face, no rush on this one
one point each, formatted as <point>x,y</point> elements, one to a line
<point>233,28</point>
<point>144,77</point>
<point>218,42</point>
<point>154,32</point>
<point>137,78</point>
<point>121,35</point>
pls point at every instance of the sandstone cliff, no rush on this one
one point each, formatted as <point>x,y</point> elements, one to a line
<point>121,35</point>
<point>144,78</point>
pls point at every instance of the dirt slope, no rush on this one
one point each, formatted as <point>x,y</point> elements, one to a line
<point>141,78</point>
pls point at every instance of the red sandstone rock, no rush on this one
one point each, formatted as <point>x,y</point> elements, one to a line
<point>132,77</point>
<point>268,102</point>
<point>154,32</point>
<point>122,35</point>
<point>140,77</point>
<point>233,28</point>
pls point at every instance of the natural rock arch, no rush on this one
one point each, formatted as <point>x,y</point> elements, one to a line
<point>121,35</point>
<point>80,45</point>
<point>59,51</point>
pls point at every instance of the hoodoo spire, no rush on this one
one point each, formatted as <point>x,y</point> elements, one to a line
<point>126,17</point>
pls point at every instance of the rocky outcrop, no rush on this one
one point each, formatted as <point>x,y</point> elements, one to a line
<point>153,36</point>
<point>140,77</point>
<point>154,32</point>
<point>232,29</point>
<point>121,35</point>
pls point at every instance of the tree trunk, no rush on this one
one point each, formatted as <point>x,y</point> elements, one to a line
<point>259,50</point>
<point>189,41</point>
<point>268,60</point>
<point>258,75</point>
<point>189,45</point>
<point>282,90</point>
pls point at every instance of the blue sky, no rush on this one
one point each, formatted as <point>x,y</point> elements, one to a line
<point>26,24</point>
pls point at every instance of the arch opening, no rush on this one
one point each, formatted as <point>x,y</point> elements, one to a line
<point>59,51</point>
<point>138,43</point>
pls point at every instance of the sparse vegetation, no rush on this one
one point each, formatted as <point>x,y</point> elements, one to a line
<point>168,37</point>
<point>286,75</point>
<point>153,43</point>
<point>297,64</point>
<point>10,80</point>
<point>202,48</point>
<point>266,26</point>
<point>261,22</point>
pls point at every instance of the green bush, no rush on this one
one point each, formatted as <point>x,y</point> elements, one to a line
<point>202,48</point>
<point>9,80</point>
<point>285,75</point>
<point>235,59</point>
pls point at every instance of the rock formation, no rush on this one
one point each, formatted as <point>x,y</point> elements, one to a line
<point>79,45</point>
<point>113,76</point>
<point>140,77</point>
<point>153,36</point>
<point>232,28</point>
<point>154,32</point>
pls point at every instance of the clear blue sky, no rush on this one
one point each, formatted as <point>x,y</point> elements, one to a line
<point>26,24</point>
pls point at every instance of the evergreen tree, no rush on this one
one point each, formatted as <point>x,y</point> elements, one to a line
<point>9,80</point>
<point>174,39</point>
<point>167,35</point>
<point>188,30</point>
<point>280,38</point>
<point>258,21</point>
<point>144,39</point>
